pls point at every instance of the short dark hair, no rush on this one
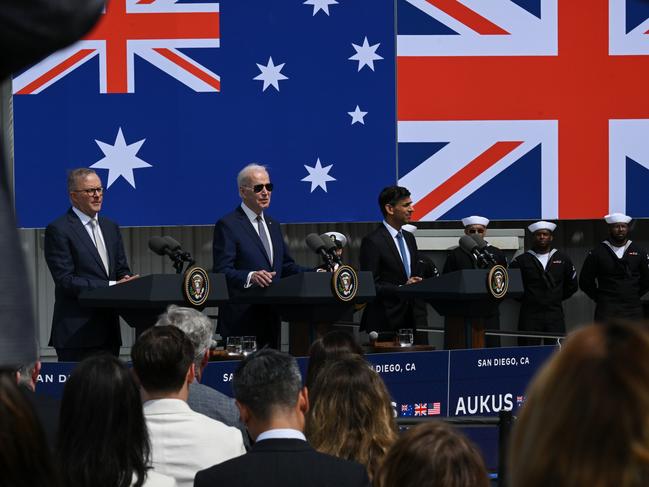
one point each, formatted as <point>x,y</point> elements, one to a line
<point>391,196</point>
<point>266,381</point>
<point>161,357</point>
<point>103,438</point>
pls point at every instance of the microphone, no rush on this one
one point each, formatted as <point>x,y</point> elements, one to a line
<point>317,245</point>
<point>159,246</point>
<point>470,246</point>
<point>373,337</point>
<point>330,248</point>
<point>482,247</point>
<point>177,250</point>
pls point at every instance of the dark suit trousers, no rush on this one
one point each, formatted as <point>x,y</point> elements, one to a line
<point>78,354</point>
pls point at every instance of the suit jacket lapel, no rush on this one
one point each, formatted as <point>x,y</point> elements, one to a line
<point>396,256</point>
<point>252,233</point>
<point>84,238</point>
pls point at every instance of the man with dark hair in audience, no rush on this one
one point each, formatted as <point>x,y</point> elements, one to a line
<point>182,441</point>
<point>392,256</point>
<point>203,399</point>
<point>273,403</point>
<point>46,408</point>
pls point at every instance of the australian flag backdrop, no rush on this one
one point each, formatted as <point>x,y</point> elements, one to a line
<point>515,109</point>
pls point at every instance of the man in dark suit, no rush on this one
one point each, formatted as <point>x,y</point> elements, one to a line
<point>391,254</point>
<point>84,251</point>
<point>28,31</point>
<point>269,393</point>
<point>249,249</point>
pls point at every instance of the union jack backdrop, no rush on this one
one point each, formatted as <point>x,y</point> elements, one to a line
<point>514,109</point>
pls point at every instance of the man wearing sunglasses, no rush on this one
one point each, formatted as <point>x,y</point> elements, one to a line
<point>249,249</point>
<point>459,259</point>
<point>84,251</point>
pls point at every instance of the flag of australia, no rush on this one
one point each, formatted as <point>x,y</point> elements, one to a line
<point>168,99</point>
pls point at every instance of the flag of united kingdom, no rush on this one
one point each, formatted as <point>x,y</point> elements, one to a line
<point>523,109</point>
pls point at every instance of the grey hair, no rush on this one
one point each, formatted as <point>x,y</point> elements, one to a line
<point>194,324</point>
<point>75,175</point>
<point>25,374</point>
<point>244,175</point>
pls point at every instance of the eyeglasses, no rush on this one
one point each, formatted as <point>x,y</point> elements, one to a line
<point>476,230</point>
<point>90,191</point>
<point>258,187</point>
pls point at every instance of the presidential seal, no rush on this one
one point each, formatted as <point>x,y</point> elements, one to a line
<point>498,281</point>
<point>196,286</point>
<point>344,283</point>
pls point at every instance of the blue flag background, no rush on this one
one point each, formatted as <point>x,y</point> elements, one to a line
<point>197,142</point>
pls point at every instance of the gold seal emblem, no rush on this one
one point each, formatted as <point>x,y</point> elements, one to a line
<point>498,281</point>
<point>196,286</point>
<point>344,283</point>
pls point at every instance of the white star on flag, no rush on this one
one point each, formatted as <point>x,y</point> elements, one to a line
<point>120,159</point>
<point>270,74</point>
<point>357,115</point>
<point>318,176</point>
<point>366,54</point>
<point>320,5</point>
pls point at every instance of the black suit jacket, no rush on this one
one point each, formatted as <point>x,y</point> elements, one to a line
<point>389,311</point>
<point>237,251</point>
<point>284,463</point>
<point>75,265</point>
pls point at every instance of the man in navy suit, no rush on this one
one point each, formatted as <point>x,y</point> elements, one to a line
<point>392,256</point>
<point>249,249</point>
<point>84,251</point>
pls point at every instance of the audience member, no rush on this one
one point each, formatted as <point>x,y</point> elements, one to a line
<point>203,399</point>
<point>46,408</point>
<point>432,454</point>
<point>334,344</point>
<point>24,458</point>
<point>182,441</point>
<point>103,440</point>
<point>351,416</point>
<point>269,393</point>
<point>585,421</point>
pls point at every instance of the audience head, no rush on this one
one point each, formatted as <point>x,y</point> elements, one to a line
<point>103,439</point>
<point>333,345</point>
<point>24,454</point>
<point>267,387</point>
<point>433,454</point>
<point>163,359</point>
<point>196,326</point>
<point>586,417</point>
<point>351,416</point>
<point>27,375</point>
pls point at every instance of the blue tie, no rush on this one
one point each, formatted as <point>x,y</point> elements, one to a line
<point>404,255</point>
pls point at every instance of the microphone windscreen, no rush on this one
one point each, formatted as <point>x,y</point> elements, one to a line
<point>314,242</point>
<point>329,244</point>
<point>467,243</point>
<point>479,241</point>
<point>158,245</point>
<point>373,336</point>
<point>172,242</point>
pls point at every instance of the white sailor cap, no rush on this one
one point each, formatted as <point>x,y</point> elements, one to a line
<point>542,225</point>
<point>409,228</point>
<point>475,220</point>
<point>617,218</point>
<point>338,238</point>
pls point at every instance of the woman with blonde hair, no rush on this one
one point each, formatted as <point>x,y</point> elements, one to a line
<point>351,416</point>
<point>586,418</point>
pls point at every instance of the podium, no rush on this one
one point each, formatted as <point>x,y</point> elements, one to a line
<point>463,297</point>
<point>142,300</point>
<point>307,302</point>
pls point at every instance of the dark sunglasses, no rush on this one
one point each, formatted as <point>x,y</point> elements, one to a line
<point>258,187</point>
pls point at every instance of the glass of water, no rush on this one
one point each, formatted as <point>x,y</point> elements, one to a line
<point>249,345</point>
<point>405,337</point>
<point>233,345</point>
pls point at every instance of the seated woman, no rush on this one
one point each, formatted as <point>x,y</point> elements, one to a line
<point>351,416</point>
<point>103,440</point>
<point>432,454</point>
<point>585,421</point>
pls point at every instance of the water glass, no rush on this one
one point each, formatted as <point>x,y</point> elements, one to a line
<point>249,345</point>
<point>233,345</point>
<point>405,337</point>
